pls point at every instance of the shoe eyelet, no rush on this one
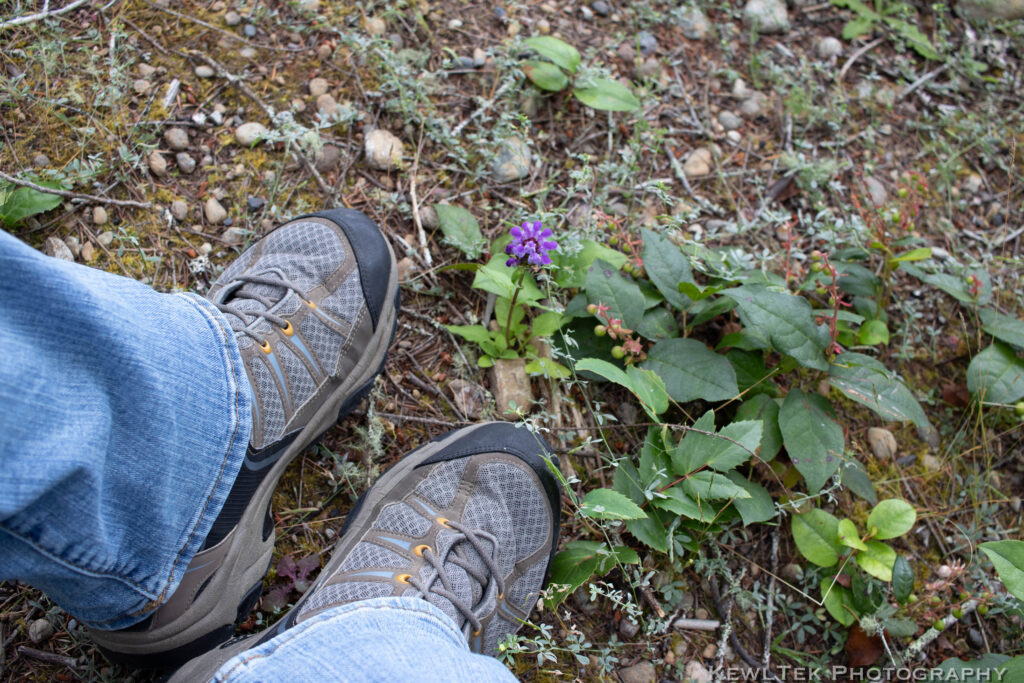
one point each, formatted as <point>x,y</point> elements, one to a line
<point>418,550</point>
<point>403,578</point>
<point>501,596</point>
<point>476,633</point>
<point>311,304</point>
<point>288,330</point>
<point>265,346</point>
<point>443,521</point>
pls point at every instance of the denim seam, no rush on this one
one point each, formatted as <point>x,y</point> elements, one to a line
<point>283,640</point>
<point>217,326</point>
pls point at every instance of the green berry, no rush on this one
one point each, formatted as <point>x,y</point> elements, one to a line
<point>816,255</point>
<point>935,599</point>
<point>817,267</point>
<point>820,289</point>
<point>964,595</point>
<point>957,612</point>
<point>613,240</point>
<point>1019,408</point>
<point>591,309</point>
<point>628,267</point>
<point>618,352</point>
<point>903,192</point>
<point>600,330</point>
<point>982,610</point>
<point>939,625</point>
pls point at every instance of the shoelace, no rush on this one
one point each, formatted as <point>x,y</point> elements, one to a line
<point>247,317</point>
<point>456,556</point>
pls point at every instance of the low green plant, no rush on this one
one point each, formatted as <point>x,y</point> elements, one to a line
<point>889,13</point>
<point>562,68</point>
<point>19,203</point>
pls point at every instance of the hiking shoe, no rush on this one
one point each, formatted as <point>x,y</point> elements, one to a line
<point>313,307</point>
<point>468,522</point>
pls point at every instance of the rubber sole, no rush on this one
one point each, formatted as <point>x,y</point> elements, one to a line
<point>250,554</point>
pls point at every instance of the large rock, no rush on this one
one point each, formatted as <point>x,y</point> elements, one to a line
<point>766,16</point>
<point>987,10</point>
<point>512,162</point>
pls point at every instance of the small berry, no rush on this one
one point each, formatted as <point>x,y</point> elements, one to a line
<point>628,267</point>
<point>820,289</point>
<point>903,192</point>
<point>958,612</point>
<point>817,267</point>
<point>618,352</point>
<point>613,240</point>
<point>964,595</point>
<point>1019,408</point>
<point>939,625</point>
<point>816,255</point>
<point>944,571</point>
<point>600,330</point>
<point>591,309</point>
<point>935,599</point>
<point>982,610</point>
<point>831,301</point>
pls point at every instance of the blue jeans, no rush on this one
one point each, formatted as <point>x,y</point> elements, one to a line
<point>124,418</point>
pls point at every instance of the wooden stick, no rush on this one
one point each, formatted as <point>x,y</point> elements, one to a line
<point>46,13</point>
<point>74,195</point>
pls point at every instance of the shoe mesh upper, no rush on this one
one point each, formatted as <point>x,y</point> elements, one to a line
<point>300,383</point>
<point>366,555</point>
<point>401,518</point>
<point>321,341</point>
<point>340,593</point>
<point>439,487</point>
<point>271,411</point>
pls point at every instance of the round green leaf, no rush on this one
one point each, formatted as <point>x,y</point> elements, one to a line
<point>816,534</point>
<point>545,75</point>
<point>877,560</point>
<point>848,535</point>
<point>836,599</point>
<point>891,518</point>
<point>607,95</point>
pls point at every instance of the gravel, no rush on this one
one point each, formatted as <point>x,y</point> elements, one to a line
<point>176,138</point>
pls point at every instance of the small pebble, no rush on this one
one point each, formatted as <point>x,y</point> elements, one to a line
<point>318,86</point>
<point>383,150</point>
<point>829,47</point>
<point>234,236</point>
<point>249,30</point>
<point>500,13</point>
<point>428,218</point>
<point>186,164</point>
<point>698,163</point>
<point>99,215</point>
<point>73,245</point>
<point>710,650</point>
<point>694,24</point>
<point>326,105</point>
<point>255,203</point>
<point>204,71</point>
<point>215,213</point>
<point>105,238</point>
<point>648,43</point>
<point>141,86</point>
<point>247,53</point>
<point>601,8</point>
<point>729,120</point>
<point>323,51</point>
<point>56,248</point>
<point>176,138</point>
<point>40,631</point>
<point>587,13</point>
<point>249,133</point>
<point>179,210</point>
<point>232,18</point>
<point>145,70</point>
<point>40,161</point>
<point>157,164</point>
<point>628,628</point>
<point>766,16</point>
<point>375,26</point>
<point>88,252</point>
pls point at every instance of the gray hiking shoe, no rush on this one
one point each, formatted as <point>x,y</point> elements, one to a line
<point>468,522</point>
<point>313,306</point>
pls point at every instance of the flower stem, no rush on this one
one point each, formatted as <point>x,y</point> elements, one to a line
<point>512,307</point>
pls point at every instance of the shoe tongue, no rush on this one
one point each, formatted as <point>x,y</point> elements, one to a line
<point>246,299</point>
<point>452,544</point>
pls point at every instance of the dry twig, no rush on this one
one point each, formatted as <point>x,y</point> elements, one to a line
<point>74,195</point>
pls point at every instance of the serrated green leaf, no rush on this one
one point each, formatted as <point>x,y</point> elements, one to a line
<point>848,535</point>
<point>764,408</point>
<point>836,599</point>
<point>872,333</point>
<point>758,507</point>
<point>691,370</point>
<point>655,461</point>
<point>891,518</point>
<point>996,375</point>
<point>609,504</point>
<point>877,560</point>
<point>1002,327</point>
<point>545,75</point>
<point>902,579</point>
<point>545,324</point>
<point>816,534</point>
<point>813,440</point>
<point>679,503</point>
<point>607,95</point>
<point>696,293</point>
<point>1008,558</point>
<point>707,485</point>
<point>606,285</point>
<point>784,321</point>
<point>460,229</point>
<point>650,531</point>
<point>868,382</point>
<point>667,267</point>
<point>558,51</point>
<point>571,567</point>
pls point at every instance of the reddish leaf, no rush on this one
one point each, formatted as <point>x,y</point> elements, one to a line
<point>863,650</point>
<point>286,567</point>
<point>956,395</point>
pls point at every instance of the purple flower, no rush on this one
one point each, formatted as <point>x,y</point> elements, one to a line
<point>529,245</point>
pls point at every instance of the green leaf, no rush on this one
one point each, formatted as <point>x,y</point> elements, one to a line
<point>607,95</point>
<point>919,254</point>
<point>1002,327</point>
<point>609,504</point>
<point>679,503</point>
<point>783,320</point>
<point>854,477</point>
<point>902,579</point>
<point>571,269</point>
<point>873,332</point>
<point>726,449</point>
<point>816,534</point>
<point>877,560</point>
<point>868,382</point>
<point>996,375</point>
<point>848,535</point>
<point>813,440</point>
<point>460,229</point>
<point>837,601</point>
<point>764,408</point>
<point>624,555</point>
<point>658,324</point>
<point>545,75</point>
<point>655,461</point>
<point>1008,558</point>
<point>572,567</point>
<point>474,333</point>
<point>891,518</point>
<point>546,324</point>
<point>625,301</point>
<point>758,507</point>
<point>695,293</point>
<point>24,202</point>
<point>856,28</point>
<point>691,370</point>
<point>707,485</point>
<point>558,51</point>
<point>952,285</point>
<point>750,371</point>
<point>548,368</point>
<point>667,267</point>
<point>649,388</point>
<point>989,667</point>
<point>650,531</point>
